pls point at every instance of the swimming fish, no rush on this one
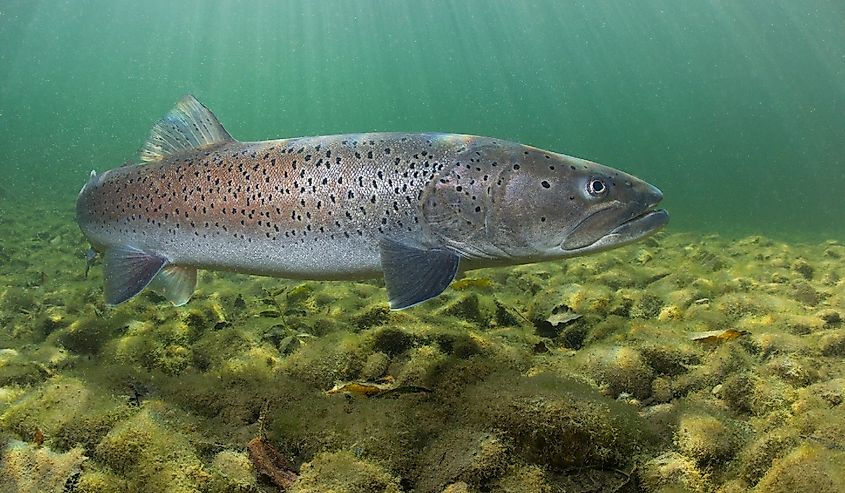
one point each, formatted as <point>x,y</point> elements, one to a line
<point>413,207</point>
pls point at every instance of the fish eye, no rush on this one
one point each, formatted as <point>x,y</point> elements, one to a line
<point>596,187</point>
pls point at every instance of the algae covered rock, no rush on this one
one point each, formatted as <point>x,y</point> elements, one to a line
<point>87,335</point>
<point>523,478</point>
<point>806,468</point>
<point>758,456</point>
<point>15,369</point>
<point>332,358</point>
<point>96,479</point>
<point>620,368</point>
<point>461,455</point>
<point>672,471</point>
<point>706,439</point>
<point>67,410</point>
<point>151,455</point>
<point>343,472</point>
<point>232,471</point>
<point>29,468</point>
<point>558,423</point>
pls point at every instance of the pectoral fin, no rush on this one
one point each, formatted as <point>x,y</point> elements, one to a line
<point>177,283</point>
<point>128,270</point>
<point>413,275</point>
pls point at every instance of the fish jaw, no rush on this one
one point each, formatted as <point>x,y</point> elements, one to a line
<point>641,226</point>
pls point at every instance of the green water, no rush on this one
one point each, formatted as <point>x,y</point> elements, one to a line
<point>734,108</point>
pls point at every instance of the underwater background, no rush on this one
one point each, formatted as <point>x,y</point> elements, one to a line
<point>706,358</point>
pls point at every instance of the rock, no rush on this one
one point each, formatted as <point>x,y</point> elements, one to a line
<point>342,472</point>
<point>26,467</point>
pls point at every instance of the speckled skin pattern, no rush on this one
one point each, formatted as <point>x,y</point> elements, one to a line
<point>317,207</point>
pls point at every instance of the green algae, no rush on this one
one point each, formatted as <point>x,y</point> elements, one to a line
<point>152,454</point>
<point>27,468</point>
<point>342,472</point>
<point>543,378</point>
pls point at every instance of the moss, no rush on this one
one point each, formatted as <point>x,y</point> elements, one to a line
<point>300,294</point>
<point>557,422</point>
<point>718,367</point>
<point>375,367</point>
<point>422,363</point>
<point>523,479</point>
<point>803,268</point>
<point>384,430</point>
<point>804,292</point>
<point>151,455</point>
<point>673,472</point>
<point>806,468</point>
<point>232,472</point>
<point>342,472</point>
<point>15,369</point>
<point>606,328</point>
<point>796,371</point>
<point>15,299</point>
<point>372,316</point>
<point>468,307</point>
<point>157,346</point>
<point>648,306</point>
<point>661,390</point>
<point>30,468</point>
<point>66,409</point>
<point>86,430</point>
<point>830,316</point>
<point>669,359</point>
<point>833,343</point>
<point>461,344</point>
<point>470,456</point>
<point>737,392</point>
<point>756,458</point>
<point>621,368</point>
<point>213,347</point>
<point>459,487</point>
<point>87,335</point>
<point>391,341</point>
<point>335,357</point>
<point>97,480</point>
<point>706,439</point>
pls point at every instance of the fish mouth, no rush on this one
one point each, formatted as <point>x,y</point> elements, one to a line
<point>644,224</point>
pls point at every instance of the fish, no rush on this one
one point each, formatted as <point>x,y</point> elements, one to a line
<point>415,208</point>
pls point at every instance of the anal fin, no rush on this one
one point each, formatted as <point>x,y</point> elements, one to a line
<point>127,271</point>
<point>177,283</point>
<point>413,275</point>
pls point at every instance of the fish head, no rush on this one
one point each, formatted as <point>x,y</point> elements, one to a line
<point>554,206</point>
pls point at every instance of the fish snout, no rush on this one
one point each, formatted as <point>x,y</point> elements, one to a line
<point>654,194</point>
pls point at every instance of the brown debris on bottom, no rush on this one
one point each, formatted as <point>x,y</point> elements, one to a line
<point>268,461</point>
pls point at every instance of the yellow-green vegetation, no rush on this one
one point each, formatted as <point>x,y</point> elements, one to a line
<point>28,468</point>
<point>707,439</point>
<point>152,454</point>
<point>584,375</point>
<point>232,471</point>
<point>343,472</point>
<point>808,467</point>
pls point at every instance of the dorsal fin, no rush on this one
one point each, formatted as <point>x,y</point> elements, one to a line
<point>189,125</point>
